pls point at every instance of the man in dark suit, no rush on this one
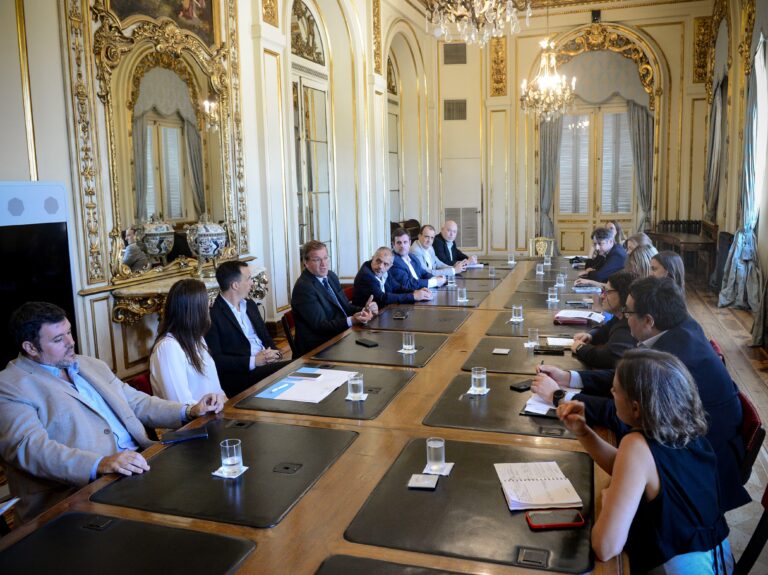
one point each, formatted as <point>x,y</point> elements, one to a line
<point>406,271</point>
<point>320,308</point>
<point>446,249</point>
<point>615,257</point>
<point>238,340</point>
<point>374,279</point>
<point>658,319</point>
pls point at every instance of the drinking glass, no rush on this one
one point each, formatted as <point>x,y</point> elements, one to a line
<point>461,295</point>
<point>231,457</point>
<point>548,261</point>
<point>552,294</point>
<point>450,282</point>
<point>435,454</point>
<point>479,384</point>
<point>511,258</point>
<point>409,341</point>
<point>539,269</point>
<point>517,314</point>
<point>491,271</point>
<point>533,337</point>
<point>355,387</point>
<point>560,280</point>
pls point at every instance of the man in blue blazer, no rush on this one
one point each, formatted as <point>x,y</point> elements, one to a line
<point>406,271</point>
<point>658,319</point>
<point>445,246</point>
<point>320,308</point>
<point>615,256</point>
<point>374,279</point>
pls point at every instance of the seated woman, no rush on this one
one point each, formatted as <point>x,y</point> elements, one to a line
<point>180,368</point>
<point>639,261</point>
<point>662,504</point>
<point>618,233</point>
<point>638,239</point>
<point>669,264</point>
<point>603,346</point>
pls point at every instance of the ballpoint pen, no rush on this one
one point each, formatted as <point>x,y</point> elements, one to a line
<point>278,388</point>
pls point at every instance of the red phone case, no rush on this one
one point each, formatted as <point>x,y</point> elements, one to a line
<point>539,526</point>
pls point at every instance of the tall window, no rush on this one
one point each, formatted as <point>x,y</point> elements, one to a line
<point>574,165</point>
<point>166,171</point>
<point>761,125</point>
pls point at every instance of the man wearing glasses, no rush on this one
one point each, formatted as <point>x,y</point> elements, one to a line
<point>320,308</point>
<point>238,339</point>
<point>423,251</point>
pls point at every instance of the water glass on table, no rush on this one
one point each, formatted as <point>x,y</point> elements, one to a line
<point>560,280</point>
<point>450,282</point>
<point>435,454</point>
<point>461,295</point>
<point>479,382</point>
<point>552,294</point>
<point>548,261</point>
<point>533,337</point>
<point>231,457</point>
<point>491,271</point>
<point>511,260</point>
<point>517,314</point>
<point>539,269</point>
<point>355,386</point>
<point>409,341</point>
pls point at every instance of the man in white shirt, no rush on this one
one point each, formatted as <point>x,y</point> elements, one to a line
<point>423,251</point>
<point>407,271</point>
<point>238,340</point>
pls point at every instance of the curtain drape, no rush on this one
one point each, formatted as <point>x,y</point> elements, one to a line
<point>714,157</point>
<point>195,154</point>
<point>550,136</point>
<point>641,136</point>
<point>742,280</point>
<point>139,155</point>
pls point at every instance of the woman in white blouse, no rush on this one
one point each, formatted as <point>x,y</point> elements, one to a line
<point>181,369</point>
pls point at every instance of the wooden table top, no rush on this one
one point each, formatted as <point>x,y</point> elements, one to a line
<point>314,529</point>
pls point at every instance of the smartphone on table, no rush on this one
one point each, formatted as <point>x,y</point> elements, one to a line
<point>554,519</point>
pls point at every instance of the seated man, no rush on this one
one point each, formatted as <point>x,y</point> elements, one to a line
<point>320,308</point>
<point>406,271</point>
<point>65,419</point>
<point>658,319</point>
<point>238,340</point>
<point>374,280</point>
<point>133,256</point>
<point>446,249</point>
<point>423,251</point>
<point>615,257</point>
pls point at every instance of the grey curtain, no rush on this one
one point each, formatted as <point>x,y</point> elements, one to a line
<point>742,280</point>
<point>139,155</point>
<point>715,146</point>
<point>195,154</point>
<point>550,136</point>
<point>641,136</point>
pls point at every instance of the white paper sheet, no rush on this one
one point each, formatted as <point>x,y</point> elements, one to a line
<point>561,341</point>
<point>314,390</point>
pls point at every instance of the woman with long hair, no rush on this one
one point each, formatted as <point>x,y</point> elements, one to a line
<point>639,261</point>
<point>669,264</point>
<point>662,504</point>
<point>180,368</point>
<point>618,233</point>
<point>638,239</point>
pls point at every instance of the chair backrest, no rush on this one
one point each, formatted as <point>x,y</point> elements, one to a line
<point>753,434</point>
<point>541,246</point>
<point>288,324</point>
<point>348,290</point>
<point>141,382</point>
<point>717,349</point>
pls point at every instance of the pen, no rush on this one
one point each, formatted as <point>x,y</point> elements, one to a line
<point>279,387</point>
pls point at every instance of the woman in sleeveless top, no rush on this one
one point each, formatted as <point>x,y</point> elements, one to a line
<point>662,503</point>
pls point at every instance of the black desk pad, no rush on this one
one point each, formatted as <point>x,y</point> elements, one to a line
<point>346,350</point>
<point>482,273</point>
<point>87,543</point>
<point>284,461</point>
<point>467,516</point>
<point>536,285</point>
<point>498,410</point>
<point>348,565</point>
<point>420,319</point>
<point>520,360</point>
<point>539,300</point>
<point>381,385</point>
<point>447,298</point>
<point>550,273</point>
<point>477,284</point>
<point>501,326</point>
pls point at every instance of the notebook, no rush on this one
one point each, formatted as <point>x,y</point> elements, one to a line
<point>536,485</point>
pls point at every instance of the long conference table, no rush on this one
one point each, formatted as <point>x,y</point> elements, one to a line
<point>325,492</point>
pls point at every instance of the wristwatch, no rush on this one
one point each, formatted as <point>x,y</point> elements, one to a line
<point>557,397</point>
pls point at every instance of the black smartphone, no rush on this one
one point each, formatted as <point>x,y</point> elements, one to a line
<point>548,350</point>
<point>521,386</point>
<point>399,314</point>
<point>185,435</point>
<point>366,342</point>
<point>305,374</point>
<point>555,519</point>
<point>578,302</point>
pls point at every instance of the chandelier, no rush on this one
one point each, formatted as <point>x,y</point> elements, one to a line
<point>475,21</point>
<point>549,94</point>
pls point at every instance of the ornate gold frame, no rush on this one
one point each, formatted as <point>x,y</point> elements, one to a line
<point>719,12</point>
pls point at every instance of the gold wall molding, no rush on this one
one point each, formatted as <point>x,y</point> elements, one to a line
<point>26,91</point>
<point>391,78</point>
<point>702,38</point>
<point>745,46</point>
<point>78,39</point>
<point>377,57</point>
<point>305,36</point>
<point>499,66</point>
<point>719,11</point>
<point>269,12</point>
<point>619,40</point>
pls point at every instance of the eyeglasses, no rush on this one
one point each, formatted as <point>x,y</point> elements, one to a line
<point>626,311</point>
<point>606,291</point>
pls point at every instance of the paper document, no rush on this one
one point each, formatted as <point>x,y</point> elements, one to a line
<point>561,341</point>
<point>472,266</point>
<point>576,314</point>
<point>586,289</point>
<point>307,390</point>
<point>537,405</point>
<point>536,485</point>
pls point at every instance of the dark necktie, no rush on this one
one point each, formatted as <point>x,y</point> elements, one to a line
<point>328,288</point>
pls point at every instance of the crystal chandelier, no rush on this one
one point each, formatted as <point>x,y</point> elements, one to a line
<point>549,94</point>
<point>475,21</point>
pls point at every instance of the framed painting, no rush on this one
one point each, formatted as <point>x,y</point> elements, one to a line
<point>198,16</point>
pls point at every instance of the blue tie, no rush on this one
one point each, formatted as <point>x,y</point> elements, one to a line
<point>327,286</point>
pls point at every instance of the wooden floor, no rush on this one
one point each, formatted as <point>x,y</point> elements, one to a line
<point>749,368</point>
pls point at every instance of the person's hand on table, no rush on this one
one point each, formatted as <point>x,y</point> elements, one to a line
<point>440,280</point>
<point>371,306</point>
<point>544,386</point>
<point>362,317</point>
<point>582,337</point>
<point>571,413</point>
<point>423,294</point>
<point>459,267</point>
<point>123,463</point>
<point>577,345</point>
<point>473,259</point>
<point>209,403</point>
<point>560,376</point>
<point>267,356</point>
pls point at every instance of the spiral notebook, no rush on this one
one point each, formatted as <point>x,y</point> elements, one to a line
<point>536,485</point>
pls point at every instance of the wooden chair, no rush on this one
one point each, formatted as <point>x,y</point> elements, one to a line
<point>348,290</point>
<point>753,433</point>
<point>756,542</point>
<point>541,246</point>
<point>289,324</point>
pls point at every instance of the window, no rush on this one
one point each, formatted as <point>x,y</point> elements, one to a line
<point>761,124</point>
<point>616,192</point>
<point>574,165</point>
<point>166,168</point>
